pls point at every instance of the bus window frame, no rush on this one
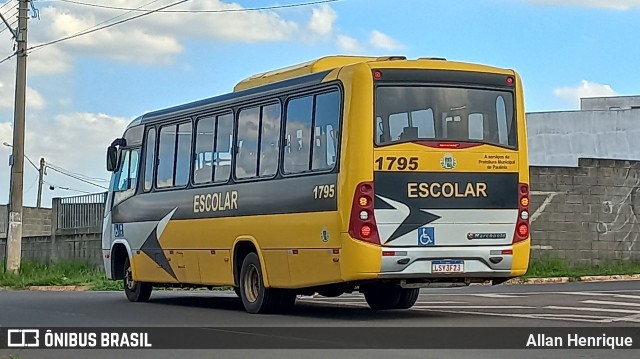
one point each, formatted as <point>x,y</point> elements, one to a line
<point>215,114</point>
<point>173,122</point>
<point>315,91</point>
<point>473,86</point>
<point>282,98</point>
<point>259,103</point>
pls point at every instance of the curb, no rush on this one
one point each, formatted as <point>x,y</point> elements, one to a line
<point>588,278</point>
<point>62,288</point>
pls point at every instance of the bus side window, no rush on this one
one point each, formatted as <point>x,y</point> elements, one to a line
<point>166,156</point>
<point>203,161</point>
<point>224,141</point>
<point>269,140</point>
<point>183,154</point>
<point>150,159</point>
<point>246,156</point>
<point>298,132</point>
<point>326,117</point>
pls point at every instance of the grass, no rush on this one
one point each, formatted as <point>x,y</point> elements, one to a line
<point>555,267</point>
<point>59,274</point>
<point>83,274</point>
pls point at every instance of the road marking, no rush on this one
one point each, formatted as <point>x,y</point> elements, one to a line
<point>627,296</point>
<point>589,309</point>
<point>604,302</point>
<point>473,307</point>
<point>523,315</point>
<point>497,295</point>
<point>629,318</point>
<point>589,294</point>
<point>594,293</point>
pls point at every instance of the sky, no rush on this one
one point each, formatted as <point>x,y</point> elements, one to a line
<point>82,92</point>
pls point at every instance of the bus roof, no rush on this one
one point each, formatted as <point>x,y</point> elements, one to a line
<point>318,65</point>
<point>329,63</point>
<point>311,71</point>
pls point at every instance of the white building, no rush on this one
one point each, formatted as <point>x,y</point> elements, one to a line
<point>604,127</point>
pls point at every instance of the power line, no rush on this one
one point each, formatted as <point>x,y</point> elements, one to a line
<point>5,4</point>
<point>53,187</point>
<point>105,26</point>
<point>78,178</point>
<point>31,186</point>
<point>149,12</point>
<point>273,7</point>
<point>10,25</point>
<point>94,29</point>
<point>89,178</point>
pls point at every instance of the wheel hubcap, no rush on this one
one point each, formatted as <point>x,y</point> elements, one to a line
<point>128,279</point>
<point>252,284</point>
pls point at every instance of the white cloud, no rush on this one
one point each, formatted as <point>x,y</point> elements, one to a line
<point>383,41</point>
<point>75,141</point>
<point>322,20</point>
<point>349,45</point>
<point>158,38</point>
<point>7,91</point>
<point>606,4</point>
<point>48,60</point>
<point>34,100</point>
<point>59,139</point>
<point>573,95</point>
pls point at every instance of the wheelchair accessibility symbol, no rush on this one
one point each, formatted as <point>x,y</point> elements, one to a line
<point>426,236</point>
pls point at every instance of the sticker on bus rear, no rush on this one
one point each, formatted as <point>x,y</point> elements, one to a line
<point>426,236</point>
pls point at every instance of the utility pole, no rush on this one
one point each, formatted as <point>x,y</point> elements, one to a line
<point>14,234</point>
<point>40,181</point>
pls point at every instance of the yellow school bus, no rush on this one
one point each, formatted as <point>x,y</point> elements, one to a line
<point>344,174</point>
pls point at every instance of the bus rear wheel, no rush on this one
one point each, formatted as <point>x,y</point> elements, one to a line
<point>382,296</point>
<point>256,298</point>
<point>408,297</point>
<point>135,291</point>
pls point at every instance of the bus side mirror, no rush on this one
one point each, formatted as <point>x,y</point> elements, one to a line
<point>112,159</point>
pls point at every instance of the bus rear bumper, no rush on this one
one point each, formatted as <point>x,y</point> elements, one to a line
<point>449,262</point>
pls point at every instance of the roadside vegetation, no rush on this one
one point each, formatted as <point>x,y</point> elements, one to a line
<point>84,275</point>
<point>59,274</point>
<point>555,267</point>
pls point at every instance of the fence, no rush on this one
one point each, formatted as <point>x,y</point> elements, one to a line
<point>84,211</point>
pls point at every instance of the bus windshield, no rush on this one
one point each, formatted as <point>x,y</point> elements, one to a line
<point>427,113</point>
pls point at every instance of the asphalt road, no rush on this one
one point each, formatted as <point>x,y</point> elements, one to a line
<point>549,305</point>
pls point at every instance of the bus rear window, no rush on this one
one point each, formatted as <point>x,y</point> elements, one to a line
<point>424,113</point>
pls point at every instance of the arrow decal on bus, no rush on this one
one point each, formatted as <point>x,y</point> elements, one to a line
<point>409,219</point>
<point>152,248</point>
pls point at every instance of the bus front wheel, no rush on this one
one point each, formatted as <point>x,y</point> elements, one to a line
<point>256,298</point>
<point>135,291</point>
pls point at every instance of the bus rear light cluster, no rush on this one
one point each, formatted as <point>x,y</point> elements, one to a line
<point>522,226</point>
<point>362,224</point>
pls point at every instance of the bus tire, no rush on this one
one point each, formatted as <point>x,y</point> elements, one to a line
<point>408,297</point>
<point>382,296</point>
<point>256,298</point>
<point>135,291</point>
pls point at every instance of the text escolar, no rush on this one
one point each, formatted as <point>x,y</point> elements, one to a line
<point>446,189</point>
<point>218,201</point>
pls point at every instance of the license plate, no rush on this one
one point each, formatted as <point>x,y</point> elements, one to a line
<point>447,267</point>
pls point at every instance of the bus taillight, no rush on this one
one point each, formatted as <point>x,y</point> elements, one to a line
<point>362,224</point>
<point>522,226</point>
